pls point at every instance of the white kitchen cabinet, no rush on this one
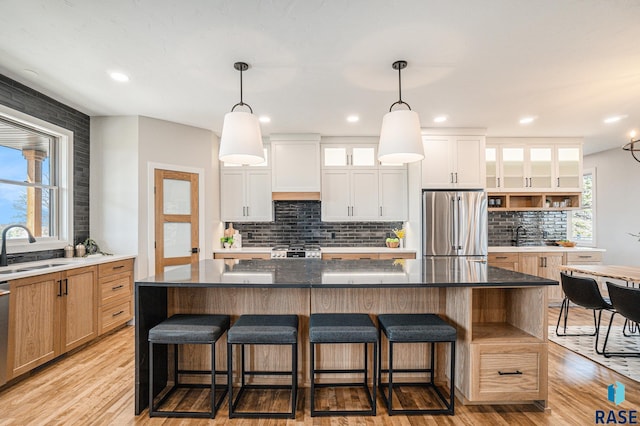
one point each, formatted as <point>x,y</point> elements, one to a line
<point>349,156</point>
<point>533,165</point>
<point>295,165</point>
<point>453,162</point>
<point>568,171</point>
<point>392,195</point>
<point>245,195</point>
<point>350,195</point>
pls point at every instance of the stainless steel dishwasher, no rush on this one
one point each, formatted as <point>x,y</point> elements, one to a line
<point>4,329</point>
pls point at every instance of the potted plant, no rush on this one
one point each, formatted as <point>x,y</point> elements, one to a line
<point>226,241</point>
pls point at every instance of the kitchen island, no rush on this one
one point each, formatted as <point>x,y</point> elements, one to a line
<point>500,315</point>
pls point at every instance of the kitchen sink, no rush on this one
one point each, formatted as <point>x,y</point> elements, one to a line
<point>34,266</point>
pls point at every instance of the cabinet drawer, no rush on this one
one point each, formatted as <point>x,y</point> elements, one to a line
<point>577,258</point>
<point>493,258</point>
<point>349,256</point>
<point>115,267</point>
<point>264,256</point>
<point>509,372</point>
<point>115,314</point>
<point>385,256</point>
<point>115,287</point>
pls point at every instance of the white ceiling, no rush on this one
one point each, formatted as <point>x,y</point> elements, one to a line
<point>571,63</point>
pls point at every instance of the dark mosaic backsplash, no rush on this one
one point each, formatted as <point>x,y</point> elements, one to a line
<point>26,100</point>
<point>300,221</point>
<point>539,226</point>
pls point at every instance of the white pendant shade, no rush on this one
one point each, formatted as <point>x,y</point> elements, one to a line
<point>241,140</point>
<point>400,138</point>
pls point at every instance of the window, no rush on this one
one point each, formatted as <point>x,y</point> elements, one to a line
<point>35,182</point>
<point>582,222</point>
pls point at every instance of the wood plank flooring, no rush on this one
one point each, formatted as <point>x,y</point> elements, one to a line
<point>94,386</point>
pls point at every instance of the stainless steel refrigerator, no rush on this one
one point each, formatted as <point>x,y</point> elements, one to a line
<point>454,223</point>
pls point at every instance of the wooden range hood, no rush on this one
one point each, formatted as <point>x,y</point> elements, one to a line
<point>295,196</point>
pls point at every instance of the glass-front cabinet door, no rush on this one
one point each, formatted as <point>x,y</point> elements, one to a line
<point>568,168</point>
<point>492,165</point>
<point>540,174</point>
<point>513,168</point>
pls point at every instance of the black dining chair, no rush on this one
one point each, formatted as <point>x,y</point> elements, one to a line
<point>583,292</point>
<point>626,302</point>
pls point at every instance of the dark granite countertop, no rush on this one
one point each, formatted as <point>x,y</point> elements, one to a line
<point>315,273</point>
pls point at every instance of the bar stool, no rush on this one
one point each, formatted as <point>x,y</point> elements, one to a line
<point>184,329</point>
<point>416,328</point>
<point>343,328</point>
<point>263,330</point>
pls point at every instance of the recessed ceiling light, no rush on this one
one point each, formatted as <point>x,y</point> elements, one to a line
<point>527,120</point>
<point>118,76</point>
<point>614,119</point>
<point>440,119</point>
<point>31,73</point>
<point>264,119</point>
<point>353,119</point>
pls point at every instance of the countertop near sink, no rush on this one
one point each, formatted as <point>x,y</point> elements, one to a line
<point>541,249</point>
<point>58,264</point>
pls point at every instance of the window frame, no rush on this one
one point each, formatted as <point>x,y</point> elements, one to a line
<point>592,242</point>
<point>63,151</point>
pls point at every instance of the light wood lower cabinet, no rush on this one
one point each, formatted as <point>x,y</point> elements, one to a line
<point>502,343</point>
<point>116,294</point>
<point>49,315</point>
<point>360,256</point>
<point>544,264</point>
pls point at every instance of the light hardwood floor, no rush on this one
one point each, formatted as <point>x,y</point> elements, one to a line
<point>95,386</point>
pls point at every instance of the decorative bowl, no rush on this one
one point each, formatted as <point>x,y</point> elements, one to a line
<point>567,243</point>
<point>393,244</point>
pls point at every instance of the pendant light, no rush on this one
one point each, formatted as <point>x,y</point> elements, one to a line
<point>241,140</point>
<point>400,136</point>
<point>633,146</point>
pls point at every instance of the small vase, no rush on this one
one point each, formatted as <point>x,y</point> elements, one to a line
<point>401,243</point>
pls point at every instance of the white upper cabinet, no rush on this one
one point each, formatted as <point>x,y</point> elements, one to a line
<point>533,165</point>
<point>356,187</point>
<point>453,162</point>
<point>568,167</point>
<point>295,163</point>
<point>245,192</point>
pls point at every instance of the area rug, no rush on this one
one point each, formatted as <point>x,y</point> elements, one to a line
<point>583,345</point>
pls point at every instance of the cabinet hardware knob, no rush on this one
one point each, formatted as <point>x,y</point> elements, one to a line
<point>510,373</point>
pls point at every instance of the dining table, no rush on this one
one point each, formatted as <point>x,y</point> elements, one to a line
<point>630,274</point>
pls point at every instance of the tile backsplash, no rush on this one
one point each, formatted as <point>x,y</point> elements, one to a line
<point>300,221</point>
<point>539,226</point>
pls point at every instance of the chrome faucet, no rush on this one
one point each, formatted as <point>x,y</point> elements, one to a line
<point>3,255</point>
<point>517,239</point>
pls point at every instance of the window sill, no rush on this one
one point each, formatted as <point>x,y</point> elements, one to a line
<point>24,246</point>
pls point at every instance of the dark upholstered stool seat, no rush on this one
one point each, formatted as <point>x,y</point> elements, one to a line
<point>183,329</point>
<point>416,328</point>
<point>186,328</point>
<point>264,329</point>
<point>343,328</point>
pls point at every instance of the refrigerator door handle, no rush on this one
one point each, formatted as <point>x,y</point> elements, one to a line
<point>454,240</point>
<point>459,224</point>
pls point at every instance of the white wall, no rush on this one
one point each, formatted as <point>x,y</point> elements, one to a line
<point>617,205</point>
<point>123,152</point>
<point>113,196</point>
<point>177,147</point>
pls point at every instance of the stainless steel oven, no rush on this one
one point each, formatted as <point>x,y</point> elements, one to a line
<point>296,251</point>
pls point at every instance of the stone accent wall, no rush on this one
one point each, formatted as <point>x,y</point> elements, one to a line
<point>300,221</point>
<point>28,101</point>
<point>539,226</point>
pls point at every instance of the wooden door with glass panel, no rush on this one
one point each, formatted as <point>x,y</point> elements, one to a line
<point>176,219</point>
